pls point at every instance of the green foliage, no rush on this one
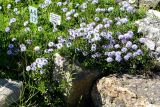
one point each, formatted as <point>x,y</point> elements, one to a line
<point>138,63</point>
<point>50,87</point>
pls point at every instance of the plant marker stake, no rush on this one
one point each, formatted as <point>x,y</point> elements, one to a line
<point>33,15</point>
<point>55,20</point>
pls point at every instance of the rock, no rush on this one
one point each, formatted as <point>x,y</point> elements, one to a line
<point>150,44</point>
<point>79,87</point>
<point>148,3</point>
<point>126,91</point>
<point>143,3</point>
<point>158,49</point>
<point>9,91</point>
<point>132,1</point>
<point>150,27</point>
<point>153,13</point>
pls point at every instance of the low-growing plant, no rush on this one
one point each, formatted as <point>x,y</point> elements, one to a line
<point>109,41</point>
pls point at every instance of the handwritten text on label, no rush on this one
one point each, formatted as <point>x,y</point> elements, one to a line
<point>33,15</point>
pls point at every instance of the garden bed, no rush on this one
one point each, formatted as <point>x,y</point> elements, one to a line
<point>43,41</point>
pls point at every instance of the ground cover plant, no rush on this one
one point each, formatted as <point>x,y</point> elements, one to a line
<point>100,34</point>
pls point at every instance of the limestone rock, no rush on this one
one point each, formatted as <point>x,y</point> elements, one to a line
<point>9,92</point>
<point>143,3</point>
<point>158,49</point>
<point>150,27</point>
<point>153,13</point>
<point>148,3</point>
<point>150,44</point>
<point>126,91</point>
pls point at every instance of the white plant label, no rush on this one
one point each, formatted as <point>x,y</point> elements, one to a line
<point>55,20</point>
<point>33,15</point>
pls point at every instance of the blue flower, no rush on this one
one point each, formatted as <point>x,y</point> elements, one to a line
<point>41,71</point>
<point>9,6</point>
<point>130,9</point>
<point>7,29</point>
<point>11,46</point>
<point>107,25</point>
<point>139,52</point>
<point>116,46</point>
<point>110,9</point>
<point>142,40</point>
<point>126,57</point>
<point>36,48</point>
<point>118,58</point>
<point>83,6</point>
<point>12,20</point>
<point>120,37</point>
<point>47,2</point>
<point>128,44</point>
<point>51,44</point>
<point>95,1</point>
<point>64,10</point>
<point>9,52</point>
<point>59,4</point>
<point>96,19</point>
<point>29,42</point>
<point>134,46</point>
<point>118,53</point>
<point>14,39</point>
<point>68,44</point>
<point>28,68</point>
<point>124,49</point>
<point>93,47</point>
<point>22,47</point>
<point>109,59</point>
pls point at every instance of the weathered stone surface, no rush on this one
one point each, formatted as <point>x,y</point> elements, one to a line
<point>126,91</point>
<point>81,87</point>
<point>150,27</point>
<point>81,83</point>
<point>148,3</point>
<point>9,91</point>
<point>143,3</point>
<point>150,44</point>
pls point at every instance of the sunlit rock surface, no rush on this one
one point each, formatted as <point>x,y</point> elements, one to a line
<point>9,92</point>
<point>126,91</point>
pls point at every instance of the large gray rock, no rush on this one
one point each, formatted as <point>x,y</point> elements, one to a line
<point>126,91</point>
<point>9,92</point>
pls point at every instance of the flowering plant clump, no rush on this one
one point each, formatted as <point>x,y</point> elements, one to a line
<point>107,42</point>
<point>98,33</point>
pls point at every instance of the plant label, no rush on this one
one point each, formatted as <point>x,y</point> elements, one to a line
<point>55,20</point>
<point>33,15</point>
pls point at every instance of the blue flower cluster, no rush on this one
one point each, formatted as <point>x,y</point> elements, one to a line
<point>38,65</point>
<point>101,42</point>
<point>126,6</point>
